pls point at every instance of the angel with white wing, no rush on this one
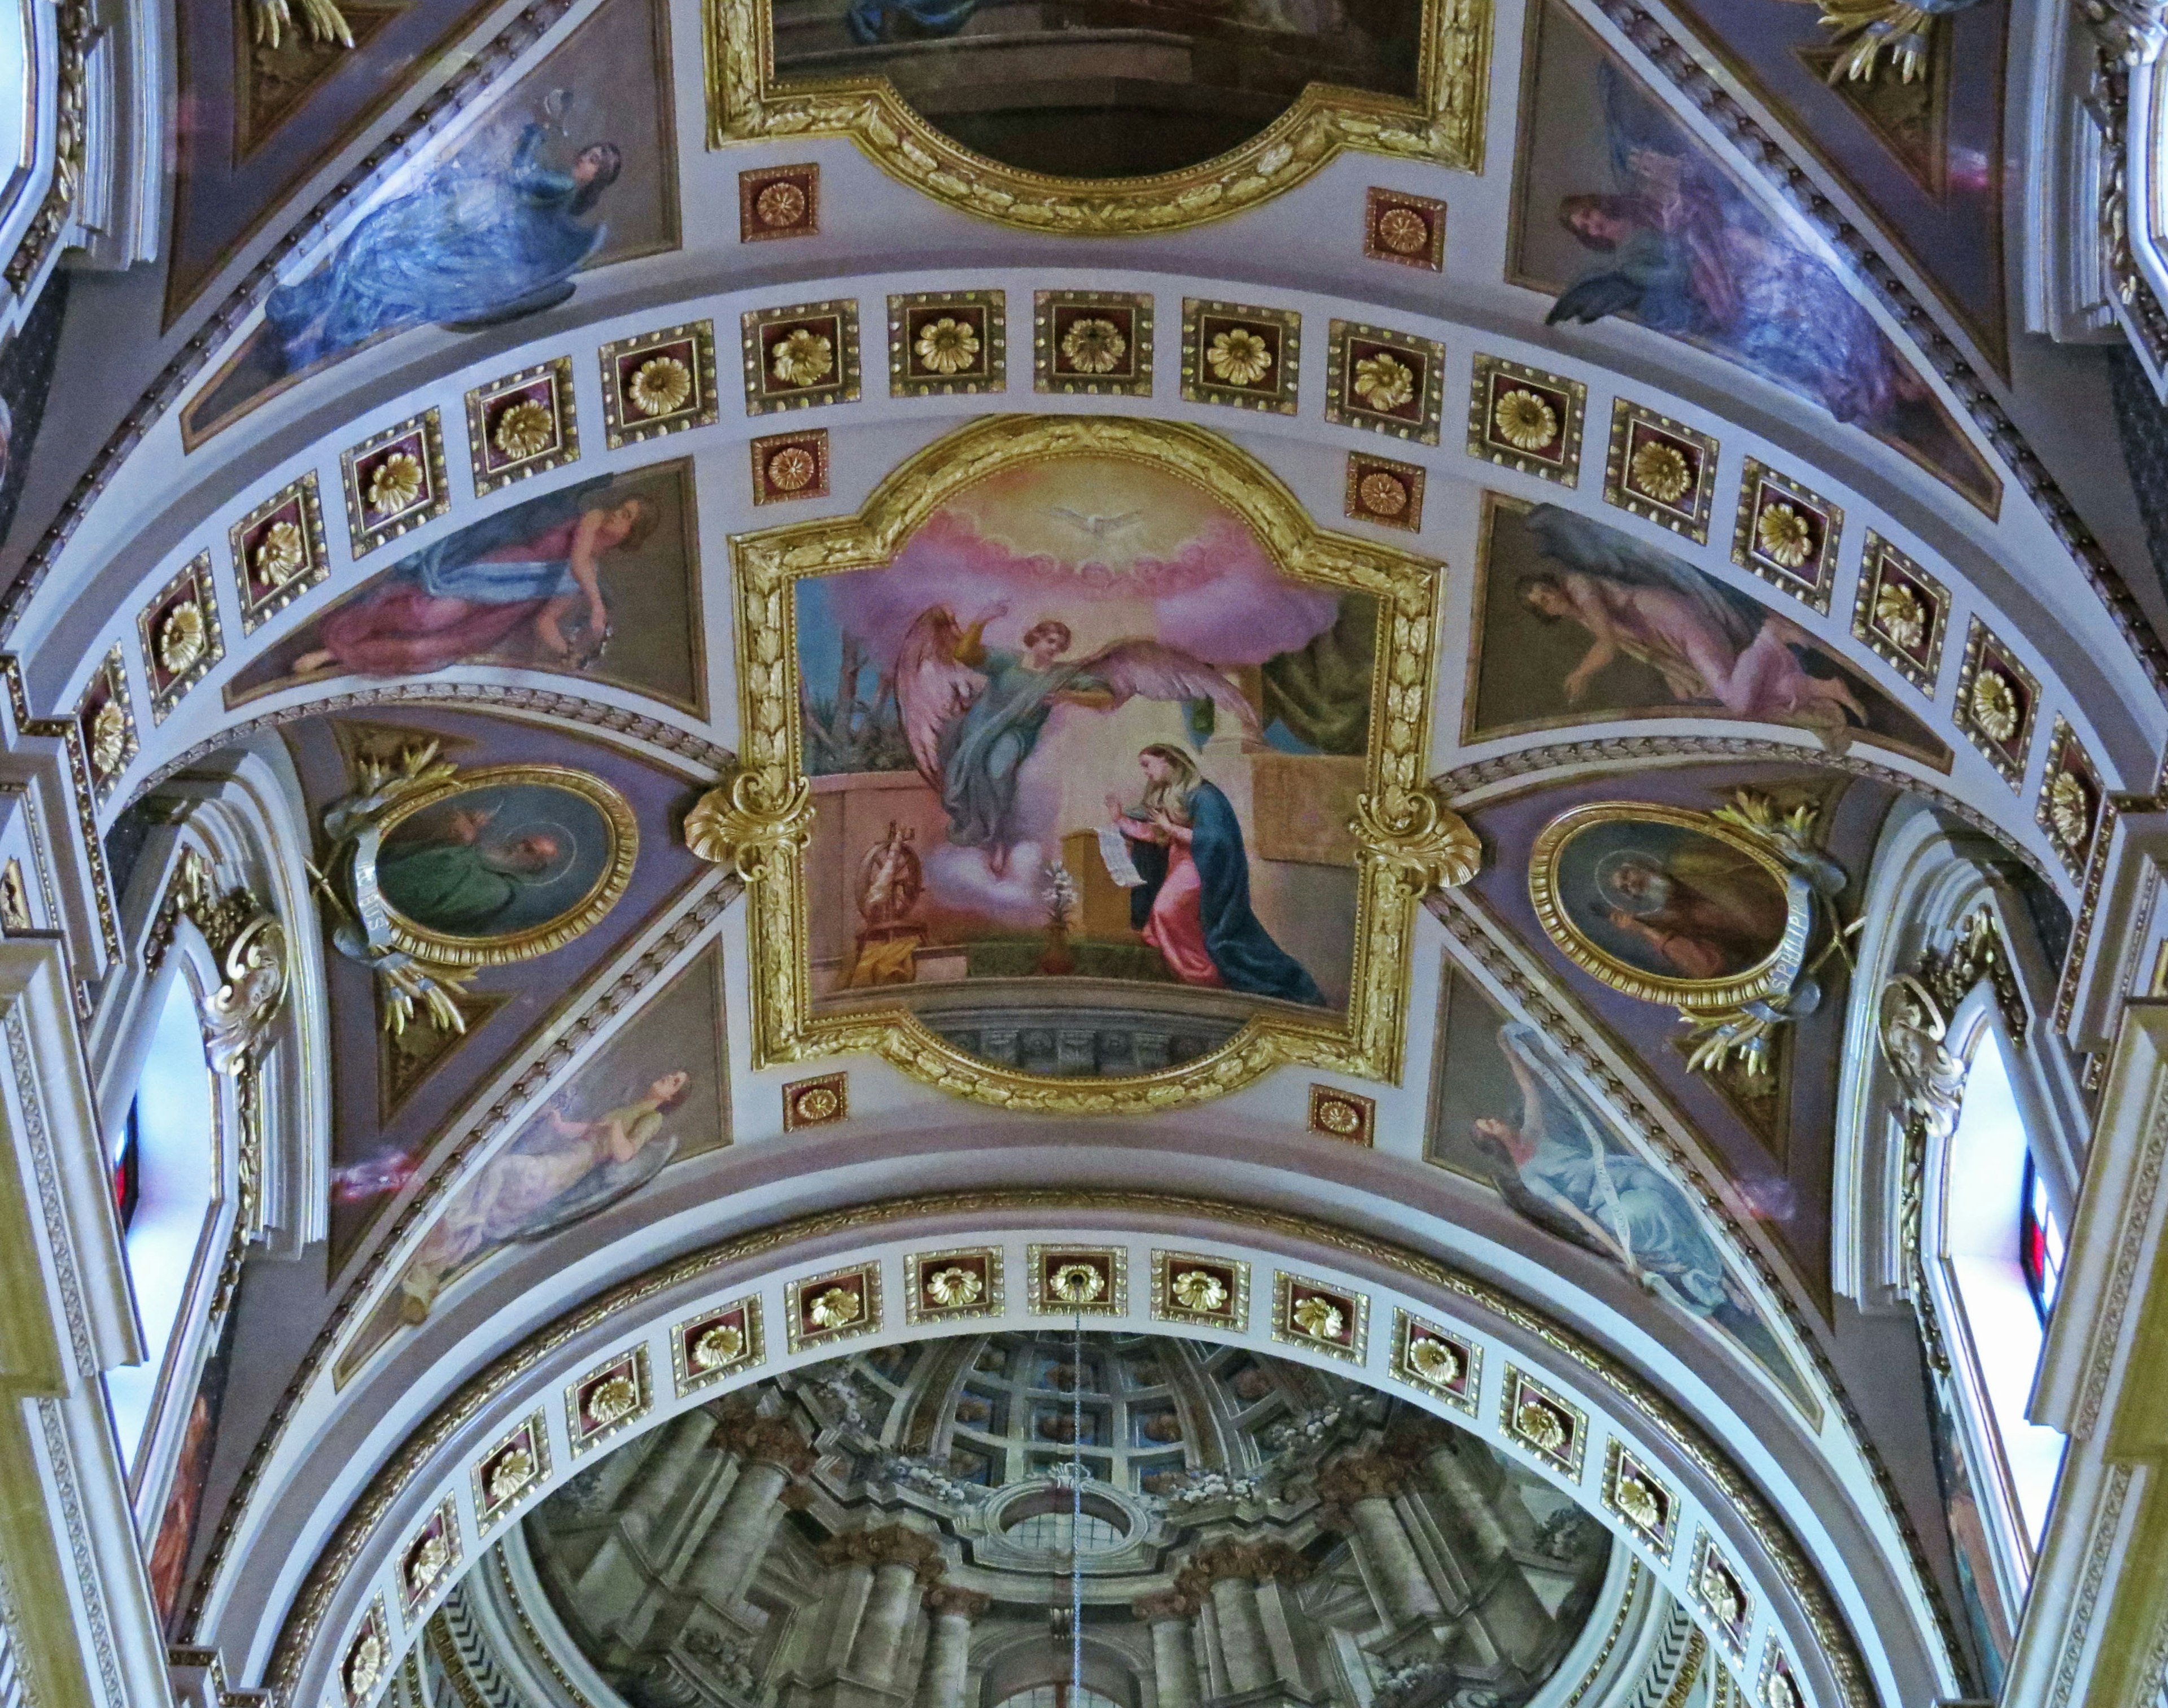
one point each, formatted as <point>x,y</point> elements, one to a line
<point>974,713</point>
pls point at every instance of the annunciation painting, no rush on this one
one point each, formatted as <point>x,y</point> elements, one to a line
<point>1104,89</point>
<point>1583,623</point>
<point>1092,734</point>
<point>574,168</point>
<point>653,1096</point>
<point>1634,216</point>
<point>1507,1112</point>
<point>599,579</point>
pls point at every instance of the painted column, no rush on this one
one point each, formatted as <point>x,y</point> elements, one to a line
<point>948,1646</point>
<point>1363,1485</point>
<point>1174,1649</point>
<point>731,1552</point>
<point>664,1476</point>
<point>900,1556</point>
<point>1454,1480</point>
<point>1228,1572</point>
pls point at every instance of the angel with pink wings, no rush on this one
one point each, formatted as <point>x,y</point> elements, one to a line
<point>973,713</point>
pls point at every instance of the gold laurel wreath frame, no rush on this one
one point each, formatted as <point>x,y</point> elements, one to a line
<point>1442,126</point>
<point>500,949</point>
<point>1770,976</point>
<point>761,819</point>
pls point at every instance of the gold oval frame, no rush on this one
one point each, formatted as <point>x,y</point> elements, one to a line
<point>1442,126</point>
<point>771,782</point>
<point>443,949</point>
<point>1771,975</point>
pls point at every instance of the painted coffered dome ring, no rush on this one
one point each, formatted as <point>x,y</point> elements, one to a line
<point>795,1526</point>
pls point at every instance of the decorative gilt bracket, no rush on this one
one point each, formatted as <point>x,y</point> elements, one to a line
<point>1905,28</point>
<point>1914,1029</point>
<point>321,21</point>
<point>403,978</point>
<point>250,946</point>
<point>1413,834</point>
<point>735,824</point>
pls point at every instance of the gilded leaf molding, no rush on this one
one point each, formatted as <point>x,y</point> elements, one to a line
<point>1442,126</point>
<point>756,821</point>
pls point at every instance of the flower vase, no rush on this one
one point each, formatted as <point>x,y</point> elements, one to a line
<point>1058,958</point>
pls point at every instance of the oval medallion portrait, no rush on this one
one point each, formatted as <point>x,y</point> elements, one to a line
<point>1666,904</point>
<point>503,864</point>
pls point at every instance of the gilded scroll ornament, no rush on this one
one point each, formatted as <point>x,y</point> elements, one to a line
<point>1726,915</point>
<point>1442,125</point>
<point>737,824</point>
<point>1869,29</point>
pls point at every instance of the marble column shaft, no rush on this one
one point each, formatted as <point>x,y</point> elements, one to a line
<point>1243,1648</point>
<point>887,1617</point>
<point>1452,1477</point>
<point>731,1553</point>
<point>948,1662</point>
<point>1401,1582</point>
<point>1174,1663</point>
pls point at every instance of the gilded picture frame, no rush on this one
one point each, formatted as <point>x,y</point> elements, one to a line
<point>762,819</point>
<point>1771,975</point>
<point>416,938</point>
<point>1442,126</point>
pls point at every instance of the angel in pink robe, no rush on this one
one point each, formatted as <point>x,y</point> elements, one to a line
<point>974,713</point>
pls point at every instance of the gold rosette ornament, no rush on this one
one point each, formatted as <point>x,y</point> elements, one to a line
<point>1384,381</point>
<point>792,469</point>
<point>2070,809</point>
<point>108,739</point>
<point>394,485</point>
<point>280,554</point>
<point>1638,1501</point>
<point>948,346</point>
<point>428,1561</point>
<point>1537,1423</point>
<point>781,204</point>
<point>818,1103</point>
<point>184,637</point>
<point>660,387</point>
<point>364,1664</point>
<point>717,1344</point>
<point>1382,494</point>
<point>1721,1594</point>
<point>1995,706</point>
<point>1076,1284</point>
<point>1525,421</point>
<point>1901,615</point>
<point>802,357</point>
<point>524,430</point>
<point>1240,356</point>
<point>1784,536</point>
<point>1195,1291</point>
<point>1094,346</point>
<point>1434,1361</point>
<point>511,1473</point>
<point>834,1308</point>
<point>1404,230</point>
<point>1321,1319</point>
<point>612,1399</point>
<point>955,1286</point>
<point>1660,471</point>
<point>1337,1117</point>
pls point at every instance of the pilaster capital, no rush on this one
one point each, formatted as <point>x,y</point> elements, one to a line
<point>1164,1603</point>
<point>954,1598</point>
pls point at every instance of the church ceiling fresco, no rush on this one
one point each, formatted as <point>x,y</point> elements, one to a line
<point>1069,709</point>
<point>1692,907</point>
<point>1923,152</point>
<point>490,880</point>
<point>1637,217</point>
<point>1205,1464</point>
<point>573,167</point>
<point>599,579</point>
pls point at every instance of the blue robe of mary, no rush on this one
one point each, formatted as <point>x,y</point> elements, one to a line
<point>470,243</point>
<point>1241,949</point>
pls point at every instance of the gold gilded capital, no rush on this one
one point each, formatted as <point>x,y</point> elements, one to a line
<point>749,817</point>
<point>1416,835</point>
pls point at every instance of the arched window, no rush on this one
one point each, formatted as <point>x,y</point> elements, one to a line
<point>1058,1696</point>
<point>1991,1193</point>
<point>167,1162</point>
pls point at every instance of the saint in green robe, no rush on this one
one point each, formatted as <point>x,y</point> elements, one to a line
<point>448,886</point>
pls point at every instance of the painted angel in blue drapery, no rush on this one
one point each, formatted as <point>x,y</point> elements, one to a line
<point>1562,1166</point>
<point>974,712</point>
<point>479,240</point>
<point>871,21</point>
<point>1685,251</point>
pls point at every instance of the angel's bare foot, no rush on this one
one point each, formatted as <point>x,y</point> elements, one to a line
<point>997,859</point>
<point>309,662</point>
